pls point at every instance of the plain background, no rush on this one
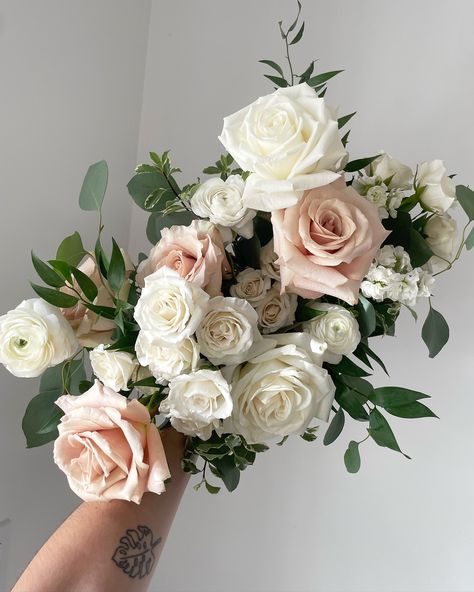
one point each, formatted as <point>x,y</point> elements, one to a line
<point>114,79</point>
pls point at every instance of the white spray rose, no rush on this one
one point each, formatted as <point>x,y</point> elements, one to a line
<point>113,368</point>
<point>441,235</point>
<point>268,259</point>
<point>290,141</point>
<point>221,202</point>
<point>337,327</point>
<point>390,170</point>
<point>276,310</point>
<point>197,402</point>
<point>252,285</point>
<point>228,333</point>
<point>279,392</point>
<point>438,191</point>
<point>169,307</point>
<point>33,337</point>
<point>166,361</point>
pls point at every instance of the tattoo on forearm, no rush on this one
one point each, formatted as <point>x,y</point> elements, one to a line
<point>134,555</point>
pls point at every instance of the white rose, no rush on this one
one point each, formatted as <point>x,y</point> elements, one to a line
<point>276,310</point>
<point>170,307</point>
<point>290,141</point>
<point>252,285</point>
<point>113,368</point>
<point>268,263</point>
<point>197,402</point>
<point>437,190</point>
<point>221,202</point>
<point>441,235</point>
<point>166,361</point>
<point>390,170</point>
<point>33,337</point>
<point>279,392</point>
<point>338,328</point>
<point>228,333</point>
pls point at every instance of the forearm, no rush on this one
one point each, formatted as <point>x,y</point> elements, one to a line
<point>86,554</point>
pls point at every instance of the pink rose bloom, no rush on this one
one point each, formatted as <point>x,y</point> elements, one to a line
<point>327,241</point>
<point>108,448</point>
<point>196,252</point>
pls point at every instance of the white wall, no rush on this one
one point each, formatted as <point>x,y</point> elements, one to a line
<point>71,91</point>
<point>299,522</point>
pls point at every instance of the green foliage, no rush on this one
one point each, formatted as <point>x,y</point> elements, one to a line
<point>310,434</point>
<point>55,297</point>
<point>273,65</point>
<point>307,313</point>
<point>247,252</point>
<point>46,273</point>
<point>401,402</point>
<point>366,316</point>
<point>435,332</point>
<point>280,82</point>
<point>94,187</point>
<point>71,250</point>
<point>465,197</point>
<point>101,258</point>
<point>321,79</point>
<point>116,271</point>
<point>335,427</point>
<point>223,168</point>
<point>352,402</point>
<point>470,240</point>
<point>352,457</point>
<point>363,353</point>
<point>359,164</point>
<point>157,221</point>
<point>150,191</point>
<point>404,234</point>
<point>89,289</point>
<point>381,432</point>
<point>341,122</point>
<point>347,367</point>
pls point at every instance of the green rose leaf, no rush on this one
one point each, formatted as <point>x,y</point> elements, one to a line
<point>352,457</point>
<point>46,273</point>
<point>94,186</point>
<point>55,297</point>
<point>381,432</point>
<point>335,427</point>
<point>465,197</point>
<point>435,332</point>
<point>71,250</point>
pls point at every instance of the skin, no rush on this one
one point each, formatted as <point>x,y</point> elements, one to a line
<point>78,556</point>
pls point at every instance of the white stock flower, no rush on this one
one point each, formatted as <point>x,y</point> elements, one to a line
<point>252,285</point>
<point>441,235</point>
<point>276,310</point>
<point>392,172</point>
<point>166,361</point>
<point>221,202</point>
<point>438,191</point>
<point>197,402</point>
<point>228,333</point>
<point>113,368</point>
<point>279,392</point>
<point>169,307</point>
<point>374,189</point>
<point>33,337</point>
<point>290,141</point>
<point>376,282</point>
<point>337,328</point>
<point>394,257</point>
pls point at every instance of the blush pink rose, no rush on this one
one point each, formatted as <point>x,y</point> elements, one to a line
<point>196,252</point>
<point>108,448</point>
<point>326,242</point>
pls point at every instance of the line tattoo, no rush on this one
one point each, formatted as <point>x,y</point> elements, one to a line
<point>134,555</point>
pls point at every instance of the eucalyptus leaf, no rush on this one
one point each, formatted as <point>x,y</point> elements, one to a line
<point>335,427</point>
<point>435,332</point>
<point>94,187</point>
<point>142,185</point>
<point>352,457</point>
<point>366,317</point>
<point>465,197</point>
<point>71,250</point>
<point>157,221</point>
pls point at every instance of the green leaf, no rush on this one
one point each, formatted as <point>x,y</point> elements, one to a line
<point>366,317</point>
<point>295,22</point>
<point>143,185</point>
<point>158,221</point>
<point>104,311</point>
<point>298,36</point>
<point>93,187</point>
<point>41,419</point>
<point>247,251</point>
<point>345,138</point>
<point>281,82</point>
<point>419,250</point>
<point>465,197</point>
<point>228,472</point>
<point>75,376</point>
<point>154,198</point>
<point>360,163</point>
<point>341,122</point>
<point>435,332</point>
<point>211,170</point>
<point>85,283</point>
<point>335,427</point>
<point>365,349</point>
<point>101,258</point>
<point>348,367</point>
<point>116,272</point>
<point>413,410</point>
<point>352,402</point>
<point>381,432</point>
<point>212,488</point>
<point>71,250</point>
<point>307,73</point>
<point>48,275</point>
<point>307,313</point>
<point>359,385</point>
<point>395,396</point>
<point>324,77</point>
<point>273,65</point>
<point>352,457</point>
<point>55,297</point>
<point>470,240</point>
<point>63,268</point>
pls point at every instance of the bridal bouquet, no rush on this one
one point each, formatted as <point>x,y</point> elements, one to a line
<point>255,314</point>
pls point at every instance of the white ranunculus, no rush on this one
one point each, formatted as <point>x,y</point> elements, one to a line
<point>337,327</point>
<point>228,333</point>
<point>113,368</point>
<point>33,337</point>
<point>252,285</point>
<point>276,310</point>
<point>221,202</point>
<point>268,259</point>
<point>438,191</point>
<point>166,361</point>
<point>279,392</point>
<point>197,403</point>
<point>169,307</point>
<point>290,141</point>
<point>390,170</point>
<point>441,235</point>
